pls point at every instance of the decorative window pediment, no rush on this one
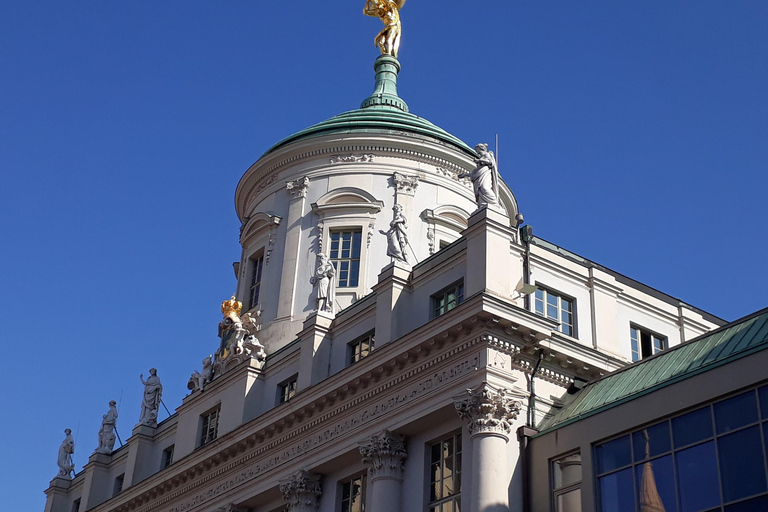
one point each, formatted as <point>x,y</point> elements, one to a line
<point>347,199</point>
<point>445,223</point>
<point>256,225</point>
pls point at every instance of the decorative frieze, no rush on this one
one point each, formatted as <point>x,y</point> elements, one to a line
<point>384,454</point>
<point>299,187</point>
<point>488,410</point>
<point>337,159</point>
<point>301,491</point>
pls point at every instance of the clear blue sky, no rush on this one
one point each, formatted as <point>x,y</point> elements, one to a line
<point>633,133</point>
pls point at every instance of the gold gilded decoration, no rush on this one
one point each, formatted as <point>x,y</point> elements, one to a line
<point>388,40</point>
<point>231,307</point>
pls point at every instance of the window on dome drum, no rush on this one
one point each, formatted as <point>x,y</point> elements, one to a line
<point>287,389</point>
<point>361,347</point>
<point>710,459</point>
<point>443,244</point>
<point>210,426</point>
<point>353,495</point>
<point>445,475</point>
<point>566,483</point>
<point>554,306</point>
<point>645,343</point>
<point>256,266</point>
<point>167,457</point>
<point>118,488</point>
<point>447,299</point>
<point>345,256</point>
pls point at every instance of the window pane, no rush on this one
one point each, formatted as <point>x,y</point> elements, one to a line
<point>763,394</point>
<point>741,464</point>
<point>614,454</point>
<point>697,477</point>
<point>656,478</point>
<point>658,441</point>
<point>617,492</point>
<point>754,505</point>
<point>692,427</point>
<point>570,501</point>
<point>736,412</point>
<point>552,312</point>
<point>356,237</point>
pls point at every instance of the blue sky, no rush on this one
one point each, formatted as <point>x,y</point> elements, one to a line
<point>632,133</point>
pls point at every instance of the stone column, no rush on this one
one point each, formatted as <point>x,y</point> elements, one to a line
<point>490,412</point>
<point>384,454</point>
<point>301,491</point>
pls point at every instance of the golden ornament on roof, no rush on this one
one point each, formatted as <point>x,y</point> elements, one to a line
<point>388,40</point>
<point>231,306</point>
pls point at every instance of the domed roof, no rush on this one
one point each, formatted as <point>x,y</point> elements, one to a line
<point>382,112</point>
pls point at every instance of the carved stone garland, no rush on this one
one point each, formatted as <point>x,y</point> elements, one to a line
<point>301,491</point>
<point>488,410</point>
<point>384,454</point>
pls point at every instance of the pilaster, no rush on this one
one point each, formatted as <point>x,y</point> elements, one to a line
<point>57,499</point>
<point>139,454</point>
<point>297,190</point>
<point>315,349</point>
<point>97,488</point>
<point>301,491</point>
<point>392,293</point>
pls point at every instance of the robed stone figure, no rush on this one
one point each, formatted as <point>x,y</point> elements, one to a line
<point>150,403</point>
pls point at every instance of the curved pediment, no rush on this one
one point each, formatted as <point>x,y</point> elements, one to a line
<point>348,198</point>
<point>256,224</point>
<point>447,215</point>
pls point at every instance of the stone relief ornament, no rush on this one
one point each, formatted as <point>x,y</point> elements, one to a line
<point>431,239</point>
<point>298,188</point>
<point>238,341</point>
<point>301,491</point>
<point>397,235</point>
<point>319,235</point>
<point>369,236</point>
<point>336,159</point>
<point>324,282</point>
<point>198,380</point>
<point>107,432</point>
<point>485,177</point>
<point>388,40</point>
<point>66,450</point>
<point>488,410</point>
<point>150,403</point>
<point>384,454</point>
<point>405,184</point>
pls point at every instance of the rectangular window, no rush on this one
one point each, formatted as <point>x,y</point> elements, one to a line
<point>361,347</point>
<point>645,343</point>
<point>445,475</point>
<point>566,483</point>
<point>76,505</point>
<point>118,488</point>
<point>353,495</point>
<point>554,306</point>
<point>287,389</point>
<point>167,457</point>
<point>256,267</point>
<point>210,430</point>
<point>345,256</point>
<point>709,459</point>
<point>447,299</point>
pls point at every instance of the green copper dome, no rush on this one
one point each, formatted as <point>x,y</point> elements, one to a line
<point>382,112</point>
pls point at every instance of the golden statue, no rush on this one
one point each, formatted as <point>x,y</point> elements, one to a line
<point>388,40</point>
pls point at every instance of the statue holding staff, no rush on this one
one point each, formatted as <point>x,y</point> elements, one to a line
<point>485,177</point>
<point>397,236</point>
<point>64,461</point>
<point>150,403</point>
<point>107,431</point>
<point>388,40</point>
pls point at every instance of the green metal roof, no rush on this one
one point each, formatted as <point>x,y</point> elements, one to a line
<point>728,343</point>
<point>381,112</point>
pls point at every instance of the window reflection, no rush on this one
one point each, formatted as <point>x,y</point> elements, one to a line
<point>736,412</point>
<point>741,464</point>
<point>617,491</point>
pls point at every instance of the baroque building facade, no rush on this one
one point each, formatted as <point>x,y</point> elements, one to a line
<point>394,342</point>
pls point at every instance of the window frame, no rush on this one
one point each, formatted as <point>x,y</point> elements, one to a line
<point>256,276</point>
<point>556,492</point>
<point>339,260</point>
<point>363,477</point>
<point>458,291</point>
<point>286,385</point>
<point>205,437</point>
<point>167,456</point>
<point>354,347</point>
<point>548,292</point>
<point>638,350</point>
<point>457,439</point>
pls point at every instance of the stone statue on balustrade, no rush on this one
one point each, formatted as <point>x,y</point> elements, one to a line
<point>66,450</point>
<point>485,177</point>
<point>107,432</point>
<point>150,403</point>
<point>324,281</point>
<point>397,235</point>
<point>238,340</point>
<point>198,380</point>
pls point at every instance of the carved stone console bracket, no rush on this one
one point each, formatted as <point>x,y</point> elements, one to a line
<point>490,411</point>
<point>384,454</point>
<point>301,491</point>
<point>298,188</point>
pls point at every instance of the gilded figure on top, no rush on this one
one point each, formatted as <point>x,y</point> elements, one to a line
<point>388,40</point>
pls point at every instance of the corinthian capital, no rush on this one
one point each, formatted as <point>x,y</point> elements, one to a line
<point>298,188</point>
<point>385,454</point>
<point>405,184</point>
<point>488,410</point>
<point>301,491</point>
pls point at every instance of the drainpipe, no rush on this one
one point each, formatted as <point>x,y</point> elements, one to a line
<point>532,392</point>
<point>523,434</point>
<point>526,236</point>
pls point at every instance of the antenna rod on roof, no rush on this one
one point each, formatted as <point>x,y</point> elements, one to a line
<point>497,151</point>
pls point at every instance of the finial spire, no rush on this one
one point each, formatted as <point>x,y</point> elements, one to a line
<point>385,91</point>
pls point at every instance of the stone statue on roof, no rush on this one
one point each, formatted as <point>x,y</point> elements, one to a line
<point>107,431</point>
<point>64,461</point>
<point>485,177</point>
<point>388,40</point>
